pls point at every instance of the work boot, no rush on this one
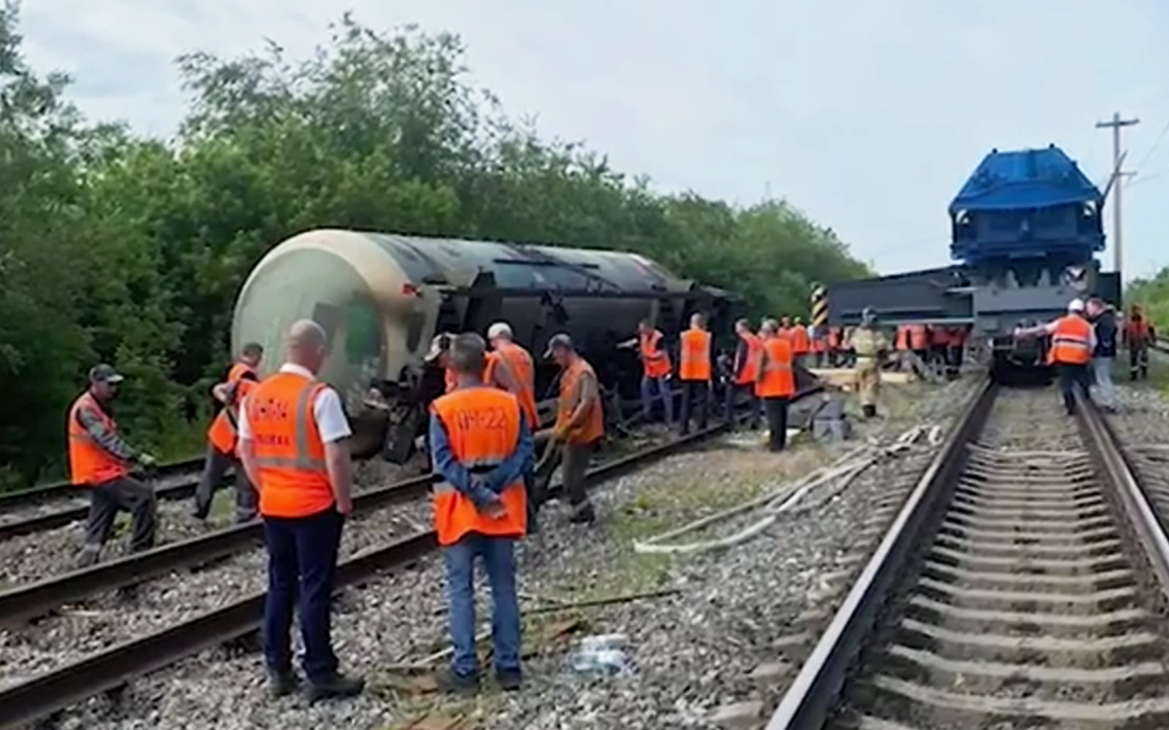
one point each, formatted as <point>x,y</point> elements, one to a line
<point>509,681</point>
<point>451,682</point>
<point>336,685</point>
<point>90,554</point>
<point>583,514</point>
<point>282,684</point>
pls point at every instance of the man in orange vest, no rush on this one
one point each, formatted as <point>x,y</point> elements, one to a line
<point>1138,336</point>
<point>744,370</point>
<point>580,423</point>
<point>801,342</point>
<point>221,438</point>
<point>522,373</point>
<point>100,460</point>
<point>495,372</point>
<point>776,382</point>
<point>1072,343</point>
<point>294,445</point>
<point>695,372</point>
<point>481,446</point>
<point>655,370</point>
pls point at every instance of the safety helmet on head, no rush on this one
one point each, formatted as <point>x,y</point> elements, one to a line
<point>1076,305</point>
<point>499,329</point>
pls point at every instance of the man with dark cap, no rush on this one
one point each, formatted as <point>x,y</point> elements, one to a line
<point>100,460</point>
<point>580,424</point>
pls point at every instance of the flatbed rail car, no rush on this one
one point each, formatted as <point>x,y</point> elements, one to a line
<point>1025,229</point>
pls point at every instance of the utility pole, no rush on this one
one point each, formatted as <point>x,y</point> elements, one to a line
<point>1118,178</point>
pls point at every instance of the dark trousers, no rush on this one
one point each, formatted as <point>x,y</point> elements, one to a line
<point>302,563</point>
<point>574,467</point>
<point>1138,362</point>
<point>733,391</point>
<point>1072,377</point>
<point>776,409</point>
<point>695,393</point>
<point>121,494</point>
<point>214,470</point>
<point>954,360</point>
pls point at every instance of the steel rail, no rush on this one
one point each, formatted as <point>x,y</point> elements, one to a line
<point>810,699</point>
<point>42,696</point>
<point>812,695</point>
<point>57,490</point>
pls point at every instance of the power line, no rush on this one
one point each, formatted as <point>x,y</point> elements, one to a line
<point>1156,144</point>
<point>1117,177</point>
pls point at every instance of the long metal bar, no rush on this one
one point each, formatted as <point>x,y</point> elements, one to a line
<point>811,696</point>
<point>44,695</point>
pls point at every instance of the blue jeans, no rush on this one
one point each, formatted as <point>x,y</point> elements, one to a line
<point>498,555</point>
<point>302,562</point>
<point>656,389</point>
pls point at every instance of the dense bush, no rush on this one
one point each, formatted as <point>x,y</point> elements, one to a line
<point>122,248</point>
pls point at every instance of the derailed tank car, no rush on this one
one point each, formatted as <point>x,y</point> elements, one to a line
<point>382,297</point>
<point>1025,228</point>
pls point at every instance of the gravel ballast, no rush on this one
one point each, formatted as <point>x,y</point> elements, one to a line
<point>688,653</point>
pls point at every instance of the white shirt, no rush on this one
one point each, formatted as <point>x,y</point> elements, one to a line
<point>331,421</point>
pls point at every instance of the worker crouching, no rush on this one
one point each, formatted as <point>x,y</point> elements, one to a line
<point>222,436</point>
<point>100,460</point>
<point>481,446</point>
<point>294,444</point>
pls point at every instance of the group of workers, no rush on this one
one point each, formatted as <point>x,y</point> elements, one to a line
<point>288,435</point>
<point>1084,346</point>
<point>934,348</point>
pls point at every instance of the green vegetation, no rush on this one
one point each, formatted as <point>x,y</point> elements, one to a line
<point>127,249</point>
<point>1153,296</point>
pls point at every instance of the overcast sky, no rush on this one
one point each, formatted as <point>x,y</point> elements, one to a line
<point>867,115</point>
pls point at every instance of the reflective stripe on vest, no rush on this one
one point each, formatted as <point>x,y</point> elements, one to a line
<point>695,355</point>
<point>89,463</point>
<point>482,425</point>
<point>1071,341</point>
<point>289,453</point>
<point>655,362</point>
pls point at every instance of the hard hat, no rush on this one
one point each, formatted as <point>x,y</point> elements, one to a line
<point>499,329</point>
<point>1076,305</point>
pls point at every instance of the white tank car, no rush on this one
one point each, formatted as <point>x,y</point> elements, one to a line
<point>382,297</point>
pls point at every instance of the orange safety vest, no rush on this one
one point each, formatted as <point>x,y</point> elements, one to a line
<point>655,362</point>
<point>902,342</point>
<point>519,362</point>
<point>800,343</point>
<point>778,380</point>
<point>289,452</point>
<point>695,355</point>
<point>451,379</point>
<point>89,463</point>
<point>918,337</point>
<point>483,427</point>
<point>222,433</point>
<point>1071,341</point>
<point>834,334</point>
<point>593,427</point>
<point>749,369</point>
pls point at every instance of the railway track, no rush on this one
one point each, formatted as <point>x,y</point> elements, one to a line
<point>111,667</point>
<point>1021,586</point>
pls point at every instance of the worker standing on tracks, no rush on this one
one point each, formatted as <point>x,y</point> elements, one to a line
<point>919,348</point>
<point>481,446</point>
<point>1072,344</point>
<point>518,362</point>
<point>221,438</point>
<point>580,423</point>
<point>100,460</point>
<point>744,372</point>
<point>870,346</point>
<point>1103,319</point>
<point>655,371</point>
<point>1138,337</point>
<point>294,444</point>
<point>695,372</point>
<point>775,381</point>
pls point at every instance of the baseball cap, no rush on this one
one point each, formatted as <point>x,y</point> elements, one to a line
<point>1076,305</point>
<point>558,342</point>
<point>440,344</point>
<point>104,373</point>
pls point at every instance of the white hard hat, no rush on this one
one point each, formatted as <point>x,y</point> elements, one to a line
<point>499,329</point>
<point>1076,305</point>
